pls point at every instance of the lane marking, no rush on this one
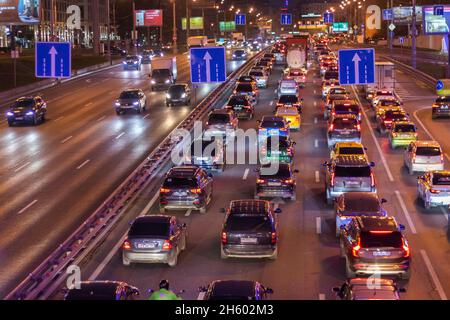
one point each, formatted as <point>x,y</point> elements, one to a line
<point>322,296</point>
<point>28,206</point>
<point>315,103</point>
<point>444,212</point>
<point>21,167</point>
<point>315,91</point>
<point>377,144</point>
<point>120,136</point>
<point>317,174</point>
<point>88,104</point>
<point>66,139</point>
<point>447,156</point>
<point>246,174</point>
<point>405,212</point>
<point>316,143</point>
<point>83,164</point>
<point>146,116</point>
<point>318,225</point>
<point>422,124</point>
<point>188,213</point>
<point>117,246</point>
<point>59,118</point>
<point>271,103</point>
<point>315,120</point>
<point>275,91</point>
<point>433,275</point>
<point>101,118</point>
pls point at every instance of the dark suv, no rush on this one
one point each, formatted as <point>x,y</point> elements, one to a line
<point>241,106</point>
<point>186,187</point>
<point>375,245</point>
<point>346,107</point>
<point>348,174</point>
<point>27,109</point>
<point>441,107</point>
<point>178,94</point>
<point>234,290</point>
<point>282,184</point>
<point>250,230</point>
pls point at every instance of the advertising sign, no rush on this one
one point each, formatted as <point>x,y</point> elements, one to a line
<point>403,15</point>
<point>195,23</point>
<point>436,24</point>
<point>227,26</point>
<point>340,27</point>
<point>19,12</point>
<point>148,18</point>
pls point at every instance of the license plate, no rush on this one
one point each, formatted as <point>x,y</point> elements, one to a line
<point>19,118</point>
<point>352,183</point>
<point>201,158</point>
<point>273,132</point>
<point>381,253</point>
<point>180,194</point>
<point>345,132</point>
<point>146,245</point>
<point>274,184</point>
<point>249,240</point>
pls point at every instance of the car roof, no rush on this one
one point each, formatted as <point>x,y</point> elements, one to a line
<point>346,101</point>
<point>154,219</point>
<point>186,171</point>
<point>349,144</point>
<point>377,223</point>
<point>427,143</point>
<point>272,118</point>
<point>287,110</point>
<point>403,122</point>
<point>360,201</point>
<point>249,206</point>
<point>244,288</point>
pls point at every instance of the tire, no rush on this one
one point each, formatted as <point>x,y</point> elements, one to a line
<point>274,256</point>
<point>139,110</point>
<point>410,171</point>
<point>145,105</point>
<point>222,254</point>
<point>167,105</point>
<point>118,112</point>
<point>350,273</point>
<point>162,210</point>
<point>426,204</point>
<point>173,261</point>
<point>202,210</point>
<point>406,275</point>
<point>35,121</point>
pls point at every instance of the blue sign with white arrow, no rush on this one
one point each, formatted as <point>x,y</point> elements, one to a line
<point>328,17</point>
<point>286,18</point>
<point>240,19</point>
<point>53,60</point>
<point>208,65</point>
<point>388,14</point>
<point>356,66</point>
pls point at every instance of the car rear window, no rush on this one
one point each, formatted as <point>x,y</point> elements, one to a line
<point>385,103</point>
<point>129,95</point>
<point>359,205</point>
<point>443,99</point>
<point>405,128</point>
<point>288,99</point>
<point>149,228</point>
<point>331,75</point>
<point>238,101</point>
<point>440,179</point>
<point>249,223</point>
<point>176,89</point>
<point>256,73</point>
<point>244,87</point>
<point>346,171</point>
<point>428,151</point>
<point>282,173</point>
<point>341,108</point>
<point>338,91</point>
<point>272,124</point>
<point>344,123</point>
<point>351,150</point>
<point>180,182</point>
<point>218,118</point>
<point>379,240</point>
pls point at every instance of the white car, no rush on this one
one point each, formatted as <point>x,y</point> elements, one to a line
<point>383,94</point>
<point>327,85</point>
<point>261,78</point>
<point>288,87</point>
<point>423,156</point>
<point>434,189</point>
<point>298,75</point>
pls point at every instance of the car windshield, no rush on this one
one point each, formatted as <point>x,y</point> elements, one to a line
<point>385,103</point>
<point>283,143</point>
<point>342,108</point>
<point>403,128</point>
<point>248,223</point>
<point>288,99</point>
<point>351,150</point>
<point>443,99</point>
<point>149,228</point>
<point>24,103</point>
<point>218,118</point>
<point>176,89</point>
<point>346,171</point>
<point>160,73</point>
<point>239,52</point>
<point>380,240</point>
<point>428,151</point>
<point>344,123</point>
<point>256,73</point>
<point>243,87</point>
<point>132,58</point>
<point>441,179</point>
<point>272,124</point>
<point>180,182</point>
<point>129,95</point>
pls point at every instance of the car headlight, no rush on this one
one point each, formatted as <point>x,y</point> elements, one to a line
<point>117,104</point>
<point>135,103</point>
<point>9,114</point>
<point>167,81</point>
<point>183,95</point>
<point>153,82</point>
<point>124,62</point>
<point>29,113</point>
<point>162,54</point>
<point>135,62</point>
<point>168,96</point>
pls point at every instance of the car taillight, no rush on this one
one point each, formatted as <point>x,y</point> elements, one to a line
<point>355,250</point>
<point>358,127</point>
<point>331,127</point>
<point>442,157</point>
<point>164,190</point>
<point>224,238</point>
<point>372,179</point>
<point>167,245</point>
<point>289,181</point>
<point>405,248</point>
<point>274,238</point>
<point>387,121</point>
<point>434,191</point>
<point>126,245</point>
<point>196,190</point>
<point>260,181</point>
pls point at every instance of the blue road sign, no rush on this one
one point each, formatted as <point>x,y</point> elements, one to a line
<point>286,18</point>
<point>439,85</point>
<point>328,17</point>
<point>388,14</point>
<point>438,10</point>
<point>53,60</point>
<point>240,19</point>
<point>208,65</point>
<point>356,66</point>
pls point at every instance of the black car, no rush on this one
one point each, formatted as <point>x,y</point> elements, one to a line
<point>250,230</point>
<point>132,62</point>
<point>239,54</point>
<point>241,106</point>
<point>118,51</point>
<point>186,187</point>
<point>441,107</point>
<point>331,74</point>
<point>178,94</point>
<point>27,109</point>
<point>131,99</point>
<point>235,290</point>
<point>281,184</point>
<point>147,56</point>
<point>102,290</point>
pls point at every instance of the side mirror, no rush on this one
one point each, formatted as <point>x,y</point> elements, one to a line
<point>383,200</point>
<point>222,210</point>
<point>372,164</point>
<point>278,210</point>
<point>401,227</point>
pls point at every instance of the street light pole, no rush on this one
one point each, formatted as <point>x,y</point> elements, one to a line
<point>134,36</point>
<point>188,22</point>
<point>174,35</point>
<point>108,9</point>
<point>413,35</point>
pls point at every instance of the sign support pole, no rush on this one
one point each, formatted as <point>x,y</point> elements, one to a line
<point>448,55</point>
<point>413,36</point>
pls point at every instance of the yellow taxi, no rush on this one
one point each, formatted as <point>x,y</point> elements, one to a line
<point>348,149</point>
<point>291,115</point>
<point>382,107</point>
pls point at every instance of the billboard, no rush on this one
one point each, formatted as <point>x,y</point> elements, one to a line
<point>227,26</point>
<point>403,15</point>
<point>340,27</point>
<point>148,18</point>
<point>19,12</point>
<point>196,23</point>
<point>436,24</point>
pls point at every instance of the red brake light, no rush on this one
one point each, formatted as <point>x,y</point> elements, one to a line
<point>355,249</point>
<point>434,191</point>
<point>260,181</point>
<point>442,157</point>
<point>358,127</point>
<point>414,158</point>
<point>290,181</point>
<point>126,245</point>
<point>380,232</point>
<point>164,190</point>
<point>224,238</point>
<point>405,248</point>
<point>331,128</point>
<point>167,245</point>
<point>274,238</point>
<point>196,191</point>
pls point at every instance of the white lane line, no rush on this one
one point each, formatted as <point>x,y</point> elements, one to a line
<point>271,103</point>
<point>146,116</point>
<point>322,296</point>
<point>22,166</point>
<point>59,118</point>
<point>28,206</point>
<point>66,139</point>
<point>315,91</point>
<point>433,275</point>
<point>377,144</point>
<point>315,103</point>
<point>315,120</point>
<point>246,174</point>
<point>120,136</point>
<point>117,246</point>
<point>101,118</point>
<point>421,123</point>
<point>111,92</point>
<point>405,212</point>
<point>447,156</point>
<point>201,296</point>
<point>318,225</point>
<point>104,80</point>
<point>275,91</point>
<point>317,174</point>
<point>83,164</point>
<point>444,212</point>
<point>316,143</point>
<point>88,104</point>
<point>188,213</point>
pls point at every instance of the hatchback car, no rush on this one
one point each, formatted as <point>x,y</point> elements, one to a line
<point>178,94</point>
<point>234,290</point>
<point>239,54</point>
<point>132,62</point>
<point>273,126</point>
<point>27,109</point>
<point>385,122</point>
<point>186,187</point>
<point>348,174</point>
<point>154,239</point>
<point>385,105</point>
<point>422,156</point>
<point>299,76</point>
<point>247,79</point>
<point>221,122</point>
<point>357,204</point>
<point>264,65</point>
<point>287,87</point>
<point>328,85</point>
<point>402,133</point>
<point>131,99</point>
<point>368,289</point>
<point>331,74</point>
<point>375,245</point>
<point>381,95</point>
<point>147,56</point>
<point>262,78</point>
<point>102,290</point>
<point>241,106</point>
<point>434,189</point>
<point>250,230</point>
<point>290,101</point>
<point>207,153</point>
<point>291,115</point>
<point>343,128</point>
<point>279,185</point>
<point>277,149</point>
<point>441,107</point>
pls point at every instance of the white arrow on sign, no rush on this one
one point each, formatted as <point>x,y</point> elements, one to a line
<point>208,59</point>
<point>53,54</point>
<point>356,59</point>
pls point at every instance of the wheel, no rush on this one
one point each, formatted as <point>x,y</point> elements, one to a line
<point>293,198</point>
<point>118,112</point>
<point>138,110</point>
<point>274,256</point>
<point>426,204</point>
<point>222,254</point>
<point>162,209</point>
<point>406,275</point>
<point>350,273</point>
<point>410,171</point>
<point>167,104</point>
<point>145,105</point>
<point>35,120</point>
<point>173,261</point>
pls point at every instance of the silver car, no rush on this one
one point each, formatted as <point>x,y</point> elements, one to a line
<point>434,189</point>
<point>422,156</point>
<point>154,239</point>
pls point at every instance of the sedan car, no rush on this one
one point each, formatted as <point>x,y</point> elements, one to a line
<point>381,95</point>
<point>132,62</point>
<point>287,87</point>
<point>441,107</point>
<point>291,115</point>
<point>102,290</point>
<point>247,89</point>
<point>290,101</point>
<point>273,126</point>
<point>402,133</point>
<point>207,153</point>
<point>221,122</point>
<point>423,156</point>
<point>239,54</point>
<point>241,106</point>
<point>247,79</point>
<point>186,187</point>
<point>27,109</point>
<point>178,94</point>
<point>131,99</point>
<point>261,77</point>
<point>385,122</point>
<point>368,289</point>
<point>154,239</point>
<point>234,290</point>
<point>250,230</point>
<point>347,149</point>
<point>299,76</point>
<point>329,101</point>
<point>279,185</point>
<point>434,189</point>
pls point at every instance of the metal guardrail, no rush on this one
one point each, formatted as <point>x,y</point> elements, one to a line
<point>53,269</point>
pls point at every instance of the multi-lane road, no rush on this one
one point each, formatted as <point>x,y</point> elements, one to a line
<point>54,175</point>
<point>308,264</point>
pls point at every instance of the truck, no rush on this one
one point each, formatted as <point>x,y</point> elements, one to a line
<point>163,72</point>
<point>384,79</point>
<point>197,41</point>
<point>238,36</point>
<point>299,42</point>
